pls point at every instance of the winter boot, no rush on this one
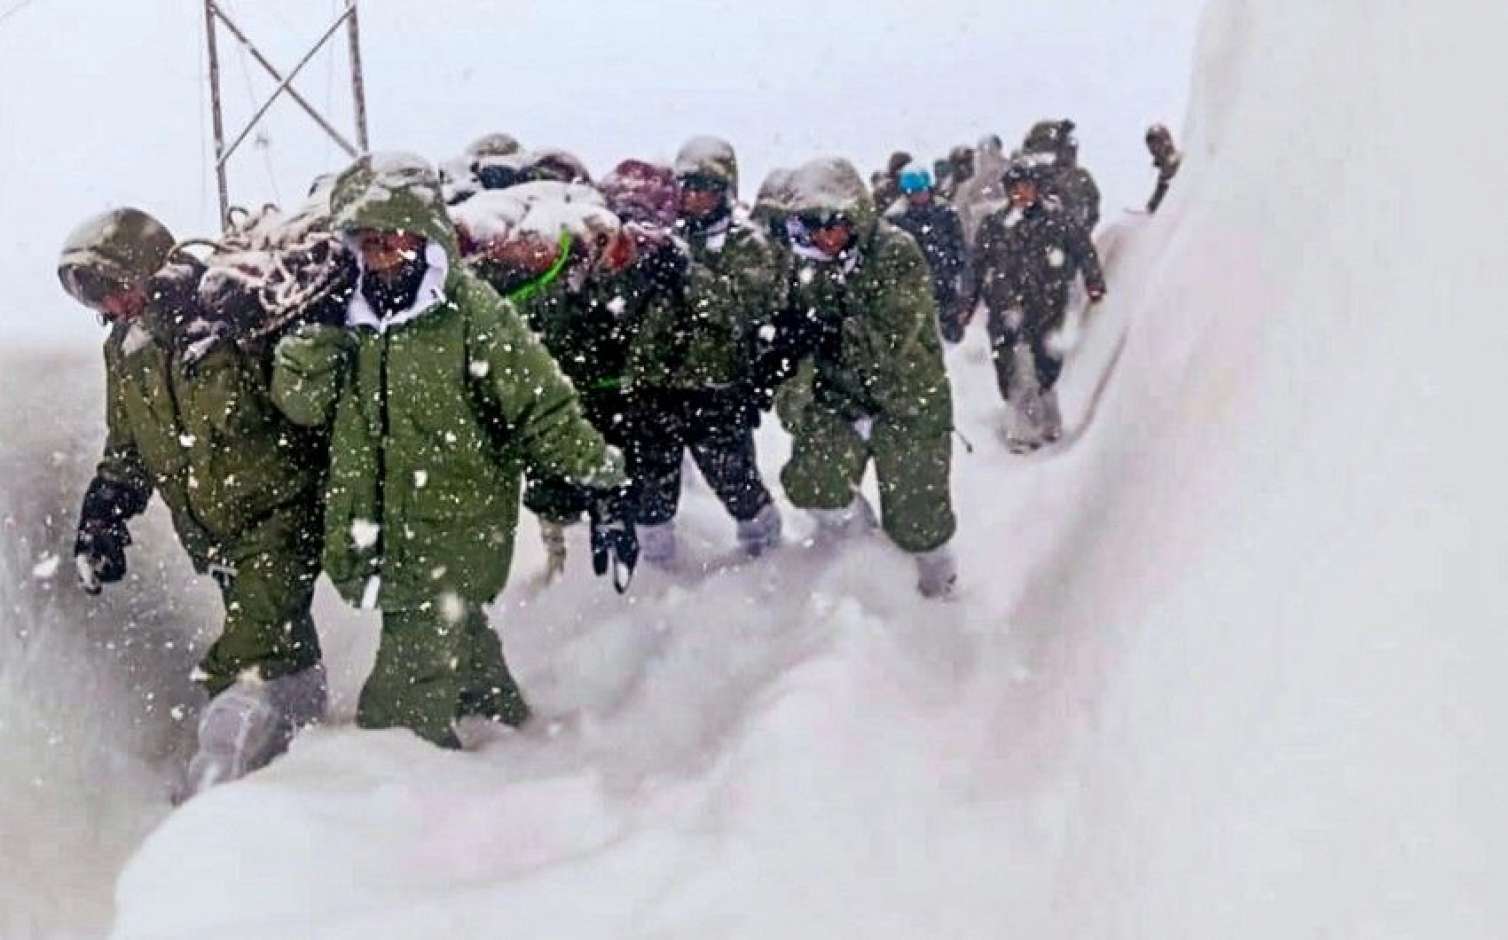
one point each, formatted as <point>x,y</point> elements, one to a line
<point>250,723</point>
<point>834,524</point>
<point>762,533</point>
<point>657,544</point>
<point>936,572</point>
<point>1024,406</point>
<point>1052,418</point>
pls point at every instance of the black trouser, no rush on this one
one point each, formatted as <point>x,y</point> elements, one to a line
<point>1034,332</point>
<point>950,312</point>
<point>726,459</point>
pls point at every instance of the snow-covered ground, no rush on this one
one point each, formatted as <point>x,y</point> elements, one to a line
<point>1230,665</point>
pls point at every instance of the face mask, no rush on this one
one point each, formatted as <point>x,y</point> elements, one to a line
<point>394,291</point>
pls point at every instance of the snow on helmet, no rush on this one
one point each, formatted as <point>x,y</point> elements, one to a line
<point>555,165</point>
<point>112,250</point>
<point>708,158</point>
<point>1021,171</point>
<point>1051,142</point>
<point>493,145</point>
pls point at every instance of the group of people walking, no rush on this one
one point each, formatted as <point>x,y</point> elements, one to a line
<point>371,385</point>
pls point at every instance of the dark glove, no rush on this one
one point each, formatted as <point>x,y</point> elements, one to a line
<point>666,266</point>
<point>99,548</point>
<point>615,545</point>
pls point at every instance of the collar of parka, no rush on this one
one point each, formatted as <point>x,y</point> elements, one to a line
<point>396,192</point>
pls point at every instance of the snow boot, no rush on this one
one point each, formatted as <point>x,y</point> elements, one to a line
<point>1052,418</point>
<point>761,533</point>
<point>1024,407</point>
<point>936,572</point>
<point>657,544</point>
<point>250,723</point>
<point>853,519</point>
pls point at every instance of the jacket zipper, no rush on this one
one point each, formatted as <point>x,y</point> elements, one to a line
<point>384,428</point>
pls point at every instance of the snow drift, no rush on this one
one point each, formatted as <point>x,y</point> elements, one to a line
<point>1227,666</point>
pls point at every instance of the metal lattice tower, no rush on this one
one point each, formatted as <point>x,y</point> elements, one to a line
<point>214,18</point>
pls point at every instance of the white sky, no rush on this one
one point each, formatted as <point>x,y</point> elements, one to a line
<point>105,104</point>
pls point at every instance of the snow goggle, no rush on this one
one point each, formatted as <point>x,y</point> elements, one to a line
<point>812,221</point>
<point>497,176</point>
<point>800,229</point>
<point>89,286</point>
<point>701,183</point>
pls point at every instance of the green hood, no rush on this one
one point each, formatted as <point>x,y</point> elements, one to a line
<point>393,192</point>
<point>832,185</point>
<point>124,245</point>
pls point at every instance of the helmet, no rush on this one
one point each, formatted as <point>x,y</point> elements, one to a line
<point>1052,139</point>
<point>708,158</point>
<point>1020,171</point>
<point>115,249</point>
<point>914,179</point>
<point>493,145</point>
<point>560,166</point>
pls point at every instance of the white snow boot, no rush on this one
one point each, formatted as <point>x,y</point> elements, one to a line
<point>1024,407</point>
<point>250,723</point>
<point>855,518</point>
<point>657,544</point>
<point>936,572</point>
<point>762,533</point>
<point>1052,418</point>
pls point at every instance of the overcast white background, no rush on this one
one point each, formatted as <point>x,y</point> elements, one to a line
<point>105,103</point>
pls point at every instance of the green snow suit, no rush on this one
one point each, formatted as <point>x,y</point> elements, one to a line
<point>435,414</point>
<point>240,482</point>
<point>878,386</point>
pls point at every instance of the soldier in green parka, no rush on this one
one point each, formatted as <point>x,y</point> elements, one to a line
<point>438,397</point>
<point>879,389</point>
<point>242,485</point>
<point>555,251</point>
<point>690,363</point>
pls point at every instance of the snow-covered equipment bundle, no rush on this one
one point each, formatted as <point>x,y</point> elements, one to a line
<point>270,270</point>
<point>510,236</point>
<point>645,196</point>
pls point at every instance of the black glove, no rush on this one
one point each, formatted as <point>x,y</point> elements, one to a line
<point>99,548</point>
<point>666,267</point>
<point>615,545</point>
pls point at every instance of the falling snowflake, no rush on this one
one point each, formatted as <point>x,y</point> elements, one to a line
<point>364,533</point>
<point>46,567</point>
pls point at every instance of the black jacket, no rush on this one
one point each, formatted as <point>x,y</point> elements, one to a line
<point>1027,260</point>
<point>938,231</point>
